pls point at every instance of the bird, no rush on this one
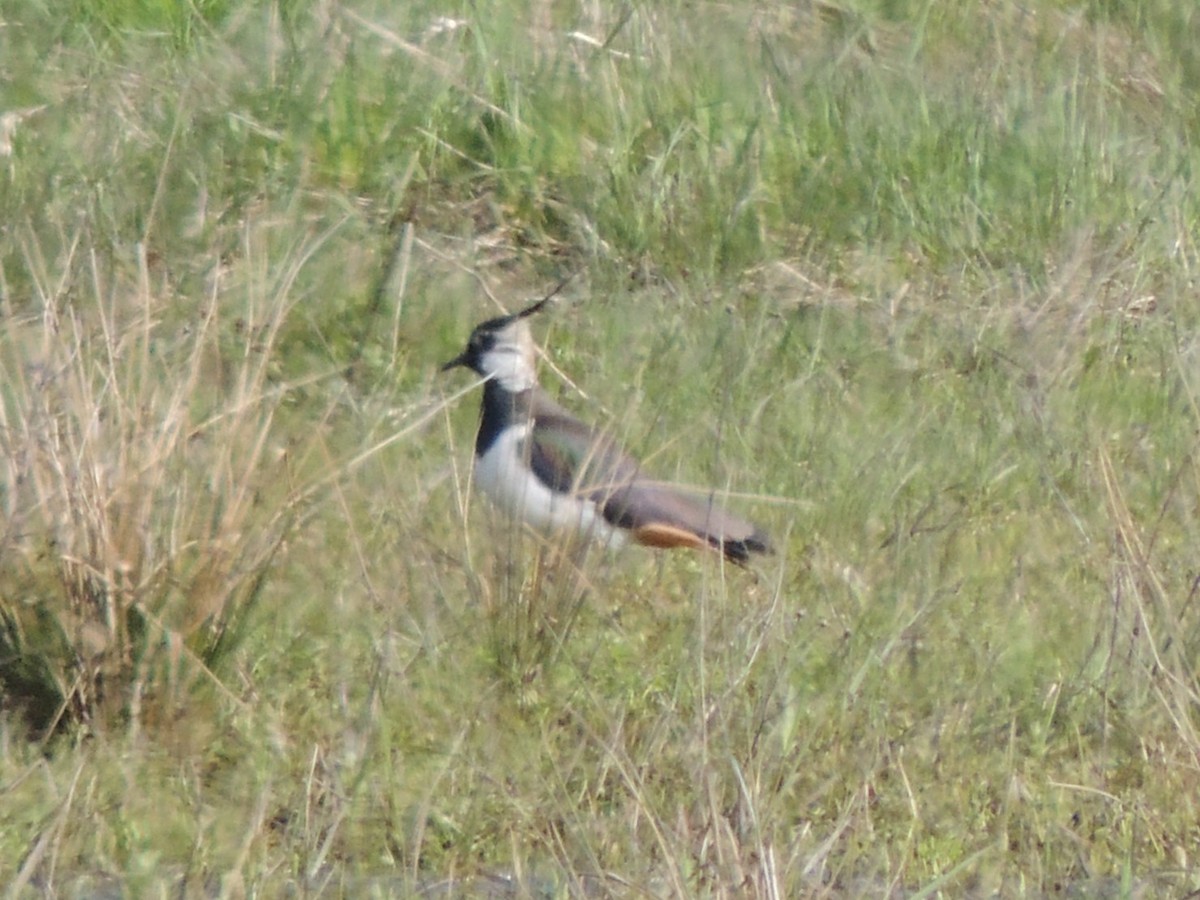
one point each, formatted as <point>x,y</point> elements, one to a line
<point>541,465</point>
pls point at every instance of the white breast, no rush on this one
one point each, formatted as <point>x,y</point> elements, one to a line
<point>503,474</point>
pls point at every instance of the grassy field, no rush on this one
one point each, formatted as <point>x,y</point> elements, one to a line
<point>913,282</point>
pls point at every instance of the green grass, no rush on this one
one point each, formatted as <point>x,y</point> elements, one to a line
<point>914,282</point>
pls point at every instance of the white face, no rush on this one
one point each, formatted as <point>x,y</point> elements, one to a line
<point>510,359</point>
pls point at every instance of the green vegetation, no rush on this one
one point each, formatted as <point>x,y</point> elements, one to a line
<point>914,281</point>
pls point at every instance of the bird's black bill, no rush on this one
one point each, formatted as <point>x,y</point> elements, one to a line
<point>460,360</point>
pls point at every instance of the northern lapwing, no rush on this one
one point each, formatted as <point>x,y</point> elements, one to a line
<point>540,464</point>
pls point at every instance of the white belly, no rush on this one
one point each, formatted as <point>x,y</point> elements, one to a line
<point>503,474</point>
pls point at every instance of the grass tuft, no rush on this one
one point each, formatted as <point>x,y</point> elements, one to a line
<point>148,495</point>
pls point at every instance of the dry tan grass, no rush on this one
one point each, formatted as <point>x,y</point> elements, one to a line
<point>149,491</point>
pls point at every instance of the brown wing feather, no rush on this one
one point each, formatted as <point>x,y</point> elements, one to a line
<point>569,456</point>
<point>646,504</point>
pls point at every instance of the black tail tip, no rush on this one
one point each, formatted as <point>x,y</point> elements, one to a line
<point>740,551</point>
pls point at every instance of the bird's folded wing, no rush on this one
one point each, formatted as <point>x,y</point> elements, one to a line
<point>568,456</point>
<point>641,504</point>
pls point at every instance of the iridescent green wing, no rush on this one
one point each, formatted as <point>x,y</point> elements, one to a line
<point>568,456</point>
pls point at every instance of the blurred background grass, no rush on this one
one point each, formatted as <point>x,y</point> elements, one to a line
<point>912,281</point>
